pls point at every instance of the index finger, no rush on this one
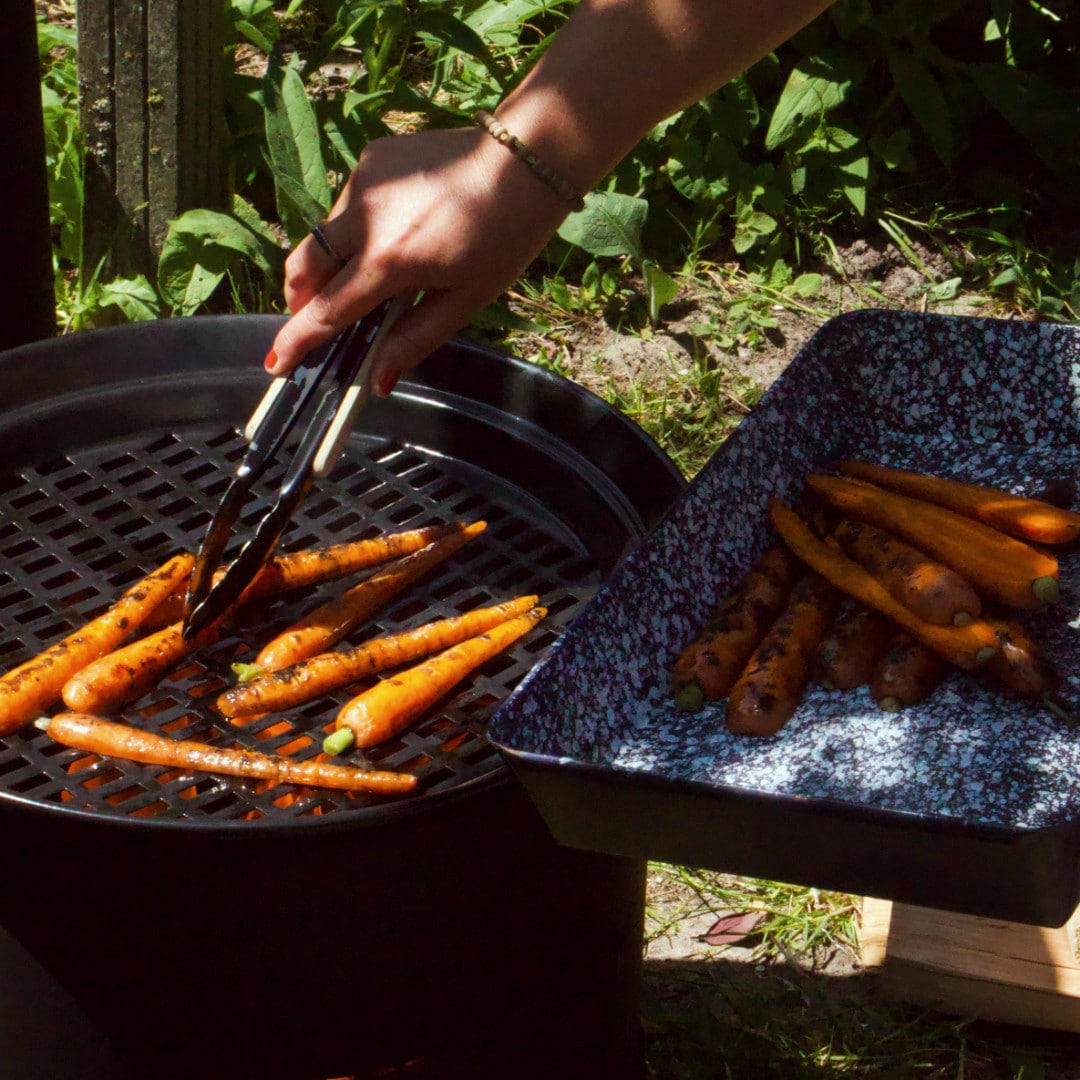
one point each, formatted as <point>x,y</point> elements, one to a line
<point>345,298</point>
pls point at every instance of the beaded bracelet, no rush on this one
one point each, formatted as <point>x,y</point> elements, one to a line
<point>541,169</point>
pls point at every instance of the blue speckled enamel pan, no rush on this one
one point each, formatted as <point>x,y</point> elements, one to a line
<point>970,802</point>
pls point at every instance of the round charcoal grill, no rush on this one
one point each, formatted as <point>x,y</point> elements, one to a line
<point>115,447</point>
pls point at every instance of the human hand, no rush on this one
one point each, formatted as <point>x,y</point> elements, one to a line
<point>449,213</point>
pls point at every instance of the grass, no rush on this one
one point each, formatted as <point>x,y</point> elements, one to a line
<point>790,1001</point>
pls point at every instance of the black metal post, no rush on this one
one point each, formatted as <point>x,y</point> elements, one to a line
<point>27,307</point>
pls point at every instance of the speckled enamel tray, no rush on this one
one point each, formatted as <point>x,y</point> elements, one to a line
<point>970,802</point>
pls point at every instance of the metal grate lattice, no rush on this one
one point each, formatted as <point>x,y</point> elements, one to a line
<point>77,530</point>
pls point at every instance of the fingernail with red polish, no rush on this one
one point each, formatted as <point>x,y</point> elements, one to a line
<point>387,383</point>
<point>271,361</point>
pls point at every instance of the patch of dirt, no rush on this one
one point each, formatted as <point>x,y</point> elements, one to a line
<point>869,273</point>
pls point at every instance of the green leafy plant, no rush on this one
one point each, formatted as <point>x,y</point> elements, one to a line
<point>844,128</point>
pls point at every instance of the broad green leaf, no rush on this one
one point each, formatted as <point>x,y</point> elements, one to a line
<point>198,249</point>
<point>751,227</point>
<point>1045,116</point>
<point>610,224</point>
<point>135,297</point>
<point>923,95</point>
<point>854,175</point>
<point>448,30</point>
<point>893,150</point>
<point>245,212</point>
<point>255,35</point>
<point>660,288</point>
<point>702,172</point>
<point>300,213</point>
<point>292,139</point>
<point>806,285</point>
<point>944,290</point>
<point>808,96</point>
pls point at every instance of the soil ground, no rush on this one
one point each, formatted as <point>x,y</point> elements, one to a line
<point>868,273</point>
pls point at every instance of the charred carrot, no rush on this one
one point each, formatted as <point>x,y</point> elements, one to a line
<point>935,592</point>
<point>908,673</point>
<point>965,646</point>
<point>111,739</point>
<point>1029,519</point>
<point>768,692</point>
<point>708,666</point>
<point>330,622</point>
<point>851,647</point>
<point>128,672</point>
<point>995,564</point>
<point>393,703</point>
<point>33,686</point>
<point>317,566</point>
<point>298,683</point>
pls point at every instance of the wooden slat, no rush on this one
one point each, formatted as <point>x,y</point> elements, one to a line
<point>971,966</point>
<point>152,74</point>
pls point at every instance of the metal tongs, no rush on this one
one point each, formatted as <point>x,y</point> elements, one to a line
<point>332,380</point>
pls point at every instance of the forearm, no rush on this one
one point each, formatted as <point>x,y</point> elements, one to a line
<point>618,67</point>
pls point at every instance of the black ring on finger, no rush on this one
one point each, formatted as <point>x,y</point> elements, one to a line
<point>320,239</point>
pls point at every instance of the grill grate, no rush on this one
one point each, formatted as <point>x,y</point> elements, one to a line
<point>75,531</point>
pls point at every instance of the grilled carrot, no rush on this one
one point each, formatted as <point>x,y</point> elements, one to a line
<point>395,702</point>
<point>965,646</point>
<point>316,566</point>
<point>708,666</point>
<point>935,592</point>
<point>851,647</point>
<point>33,686</point>
<point>1029,519</point>
<point>298,683</point>
<point>330,622</point>
<point>768,692</point>
<point>908,673</point>
<point>997,565</point>
<point>128,672</point>
<point>106,737</point>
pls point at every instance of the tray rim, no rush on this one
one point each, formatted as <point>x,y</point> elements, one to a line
<point>535,766</point>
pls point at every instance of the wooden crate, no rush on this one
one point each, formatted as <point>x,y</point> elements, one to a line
<point>970,966</point>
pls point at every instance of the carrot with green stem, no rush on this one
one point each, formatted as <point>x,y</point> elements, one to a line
<point>291,570</point>
<point>997,565</point>
<point>935,592</point>
<point>328,623</point>
<point>395,702</point>
<point>908,673</point>
<point>36,684</point>
<point>111,739</point>
<point>966,646</point>
<point>128,672</point>
<point>1031,519</point>
<point>321,674</point>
